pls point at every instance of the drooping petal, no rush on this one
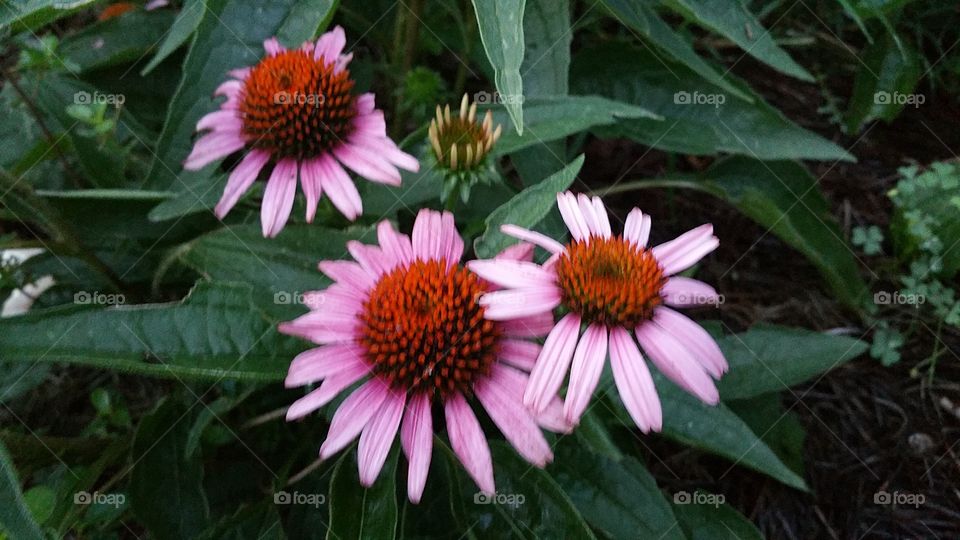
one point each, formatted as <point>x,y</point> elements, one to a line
<point>416,436</point>
<point>533,237</point>
<point>469,443</point>
<point>312,186</point>
<point>352,416</point>
<point>514,421</point>
<point>278,197</point>
<point>365,163</point>
<point>676,362</point>
<point>348,273</point>
<point>519,353</point>
<point>212,147</point>
<point>547,376</point>
<point>634,383</point>
<point>585,371</point>
<point>329,389</point>
<point>322,326</point>
<point>242,177</point>
<point>516,303</point>
<point>517,252</point>
<point>681,291</point>
<point>336,182</point>
<point>378,436</point>
<point>515,382</point>
<point>225,120</point>
<point>512,274</point>
<point>533,326</point>
<point>694,338</point>
<point>321,362</point>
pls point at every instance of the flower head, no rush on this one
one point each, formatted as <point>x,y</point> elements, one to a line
<point>405,319</point>
<point>295,112</point>
<point>613,286</point>
<point>461,144</point>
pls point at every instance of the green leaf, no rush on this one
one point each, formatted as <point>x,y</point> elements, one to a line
<point>618,497</point>
<point>216,332</point>
<point>550,119</point>
<point>178,33</point>
<point>228,37</point>
<point>731,19</point>
<point>358,512</point>
<point>529,503</point>
<point>642,19</point>
<point>783,197</point>
<point>501,30</point>
<point>720,522</point>
<point>111,42</point>
<point>526,209</point>
<point>772,359</point>
<point>779,428</point>
<point>694,119</point>
<point>166,488</point>
<point>886,79</point>
<point>15,519</point>
<point>32,14</point>
<point>260,522</point>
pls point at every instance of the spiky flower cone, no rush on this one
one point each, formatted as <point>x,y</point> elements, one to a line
<point>461,145</point>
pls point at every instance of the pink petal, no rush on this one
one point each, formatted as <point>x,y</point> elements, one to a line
<point>322,326</point>
<point>372,123</point>
<point>548,374</point>
<point>533,326</point>
<point>240,73</point>
<point>377,437</point>
<point>278,198</point>
<point>589,213</point>
<point>515,382</point>
<point>681,262</point>
<point>330,45</point>
<point>585,371</point>
<point>603,220</point>
<point>385,148</point>
<point>416,436</point>
<point>685,250</point>
<point>352,416</point>
<point>680,291</point>
<point>230,88</point>
<point>348,273</point>
<point>517,252</point>
<point>242,177</point>
<point>331,388</point>
<point>221,120</point>
<point>366,103</point>
<point>336,182</point>
<point>451,244</point>
<point>394,244</point>
<point>321,362</point>
<point>468,442</point>
<point>676,362</point>
<point>312,187</point>
<point>634,384</point>
<point>683,242</point>
<point>519,353</point>
<point>516,303</point>
<point>212,147</point>
<point>427,229</point>
<point>364,162</point>
<point>370,258</point>
<point>533,237</point>
<point>272,46</point>
<point>512,274</point>
<point>572,216</point>
<point>637,227</point>
<point>514,421</point>
<point>694,338</point>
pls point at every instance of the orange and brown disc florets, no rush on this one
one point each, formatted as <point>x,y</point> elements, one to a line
<point>610,281</point>
<point>296,107</point>
<point>424,331</point>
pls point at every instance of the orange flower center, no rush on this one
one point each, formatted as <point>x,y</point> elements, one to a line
<point>296,107</point>
<point>610,281</point>
<point>424,331</point>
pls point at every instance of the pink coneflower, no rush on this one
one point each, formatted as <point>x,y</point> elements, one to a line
<point>612,285</point>
<point>405,320</point>
<point>295,111</point>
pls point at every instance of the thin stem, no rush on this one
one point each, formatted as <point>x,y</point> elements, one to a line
<point>635,185</point>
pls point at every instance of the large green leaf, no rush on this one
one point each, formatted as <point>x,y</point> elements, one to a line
<point>731,19</point>
<point>641,18</point>
<point>714,522</point>
<point>695,122</point>
<point>111,42</point>
<point>618,497</point>
<point>166,486</point>
<point>784,197</point>
<point>228,37</point>
<point>31,14</point>
<point>358,512</point>
<point>501,30</point>
<point>886,79</point>
<point>548,119</point>
<point>772,359</point>
<point>528,504</point>
<point>15,518</point>
<point>526,209</point>
<point>178,33</point>
<point>216,332</point>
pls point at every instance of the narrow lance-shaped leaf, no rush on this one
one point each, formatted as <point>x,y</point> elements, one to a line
<point>501,30</point>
